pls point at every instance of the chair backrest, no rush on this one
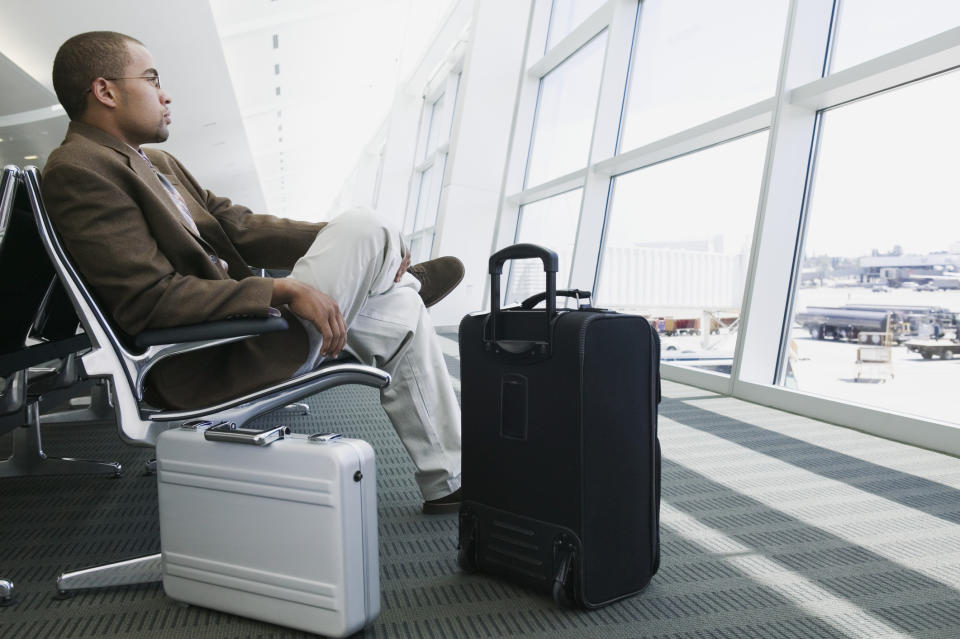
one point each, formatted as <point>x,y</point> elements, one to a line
<point>26,273</point>
<point>108,357</point>
<point>12,395</point>
<point>8,188</point>
<point>32,299</point>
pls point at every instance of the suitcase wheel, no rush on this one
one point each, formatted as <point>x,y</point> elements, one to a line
<point>467,557</point>
<point>563,579</point>
<point>467,548</point>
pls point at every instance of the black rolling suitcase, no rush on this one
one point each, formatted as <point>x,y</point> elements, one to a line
<point>561,462</point>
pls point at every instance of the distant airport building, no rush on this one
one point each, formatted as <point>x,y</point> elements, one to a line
<point>939,270</point>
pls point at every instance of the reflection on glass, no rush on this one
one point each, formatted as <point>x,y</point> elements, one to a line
<point>878,293</point>
<point>565,112</point>
<point>566,15</point>
<point>699,59</point>
<point>869,28</point>
<point>551,223</point>
<point>678,245</point>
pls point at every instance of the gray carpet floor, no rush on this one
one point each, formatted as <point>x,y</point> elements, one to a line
<point>773,526</point>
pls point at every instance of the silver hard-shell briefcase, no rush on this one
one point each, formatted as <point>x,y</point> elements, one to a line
<point>270,525</point>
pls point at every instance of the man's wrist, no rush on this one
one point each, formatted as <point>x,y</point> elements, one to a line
<point>283,291</point>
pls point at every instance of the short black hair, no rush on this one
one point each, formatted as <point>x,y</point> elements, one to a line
<point>84,58</point>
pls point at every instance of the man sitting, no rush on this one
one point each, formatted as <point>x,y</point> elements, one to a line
<point>159,250</point>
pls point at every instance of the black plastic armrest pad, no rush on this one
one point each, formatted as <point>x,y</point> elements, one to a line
<point>44,352</point>
<point>219,329</point>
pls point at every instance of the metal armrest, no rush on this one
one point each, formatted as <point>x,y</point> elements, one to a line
<point>167,342</point>
<point>243,409</point>
<point>42,352</point>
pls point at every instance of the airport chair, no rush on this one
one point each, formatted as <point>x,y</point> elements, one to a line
<point>25,292</point>
<point>11,397</point>
<point>126,360</point>
<point>34,329</point>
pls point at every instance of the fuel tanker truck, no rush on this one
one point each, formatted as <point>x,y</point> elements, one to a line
<point>846,323</point>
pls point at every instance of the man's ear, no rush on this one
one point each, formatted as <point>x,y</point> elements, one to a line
<point>104,92</point>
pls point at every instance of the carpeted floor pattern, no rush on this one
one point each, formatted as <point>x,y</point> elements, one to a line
<point>774,526</point>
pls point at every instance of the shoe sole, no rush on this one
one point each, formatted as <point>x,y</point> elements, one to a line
<point>449,290</point>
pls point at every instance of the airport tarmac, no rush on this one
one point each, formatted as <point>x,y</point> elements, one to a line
<point>909,384</point>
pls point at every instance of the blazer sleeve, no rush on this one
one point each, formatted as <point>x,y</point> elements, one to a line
<point>105,231</point>
<point>262,240</point>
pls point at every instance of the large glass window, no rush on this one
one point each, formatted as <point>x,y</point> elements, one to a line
<point>699,59</point>
<point>421,233</point>
<point>552,223</point>
<point>566,15</point>
<point>423,209</point>
<point>565,113</point>
<point>868,28</point>
<point>678,246</point>
<point>878,297</point>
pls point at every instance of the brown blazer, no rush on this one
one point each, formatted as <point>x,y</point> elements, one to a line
<point>133,247</point>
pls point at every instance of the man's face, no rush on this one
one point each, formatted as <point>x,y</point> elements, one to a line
<point>143,112</point>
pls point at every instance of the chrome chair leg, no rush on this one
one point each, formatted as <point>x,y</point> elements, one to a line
<point>6,591</point>
<point>28,457</point>
<point>141,570</point>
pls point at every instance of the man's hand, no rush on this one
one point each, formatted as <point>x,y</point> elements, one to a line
<point>404,265</point>
<point>317,307</point>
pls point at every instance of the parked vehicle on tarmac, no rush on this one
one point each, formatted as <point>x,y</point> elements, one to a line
<point>825,322</point>
<point>939,348</point>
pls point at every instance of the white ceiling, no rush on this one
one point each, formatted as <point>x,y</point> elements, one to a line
<point>340,63</point>
<point>314,80</point>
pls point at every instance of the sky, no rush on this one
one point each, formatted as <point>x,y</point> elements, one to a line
<point>887,167</point>
<point>887,173</point>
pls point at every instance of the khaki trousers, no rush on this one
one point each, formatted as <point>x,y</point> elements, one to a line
<point>354,260</point>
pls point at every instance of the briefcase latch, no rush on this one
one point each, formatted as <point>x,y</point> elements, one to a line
<point>324,438</point>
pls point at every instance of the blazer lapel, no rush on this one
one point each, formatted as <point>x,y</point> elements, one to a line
<point>141,167</point>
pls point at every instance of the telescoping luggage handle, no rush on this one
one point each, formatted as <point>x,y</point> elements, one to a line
<point>519,252</point>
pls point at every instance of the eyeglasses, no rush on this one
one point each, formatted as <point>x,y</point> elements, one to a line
<point>152,79</point>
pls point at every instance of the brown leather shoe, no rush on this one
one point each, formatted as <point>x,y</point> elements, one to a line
<point>444,505</point>
<point>437,278</point>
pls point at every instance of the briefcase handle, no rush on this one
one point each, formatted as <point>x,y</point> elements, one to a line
<point>518,252</point>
